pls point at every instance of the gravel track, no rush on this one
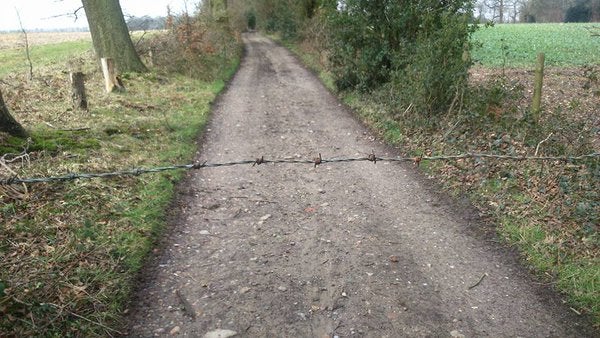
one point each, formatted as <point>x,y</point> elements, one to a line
<point>353,249</point>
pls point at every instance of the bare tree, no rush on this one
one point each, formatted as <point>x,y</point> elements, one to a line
<point>30,75</point>
<point>496,9</point>
<point>491,10</point>
<point>479,9</point>
<point>514,9</point>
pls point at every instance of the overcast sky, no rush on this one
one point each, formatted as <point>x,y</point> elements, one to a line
<point>38,14</point>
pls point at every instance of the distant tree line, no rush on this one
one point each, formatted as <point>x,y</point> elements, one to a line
<point>146,23</point>
<point>134,23</point>
<point>502,11</point>
<point>49,30</point>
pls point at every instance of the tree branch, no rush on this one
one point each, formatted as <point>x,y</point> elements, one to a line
<point>75,14</point>
<point>26,45</point>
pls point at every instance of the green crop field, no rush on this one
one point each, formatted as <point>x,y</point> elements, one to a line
<point>15,59</point>
<point>564,45</point>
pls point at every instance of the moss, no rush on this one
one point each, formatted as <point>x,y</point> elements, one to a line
<point>56,140</point>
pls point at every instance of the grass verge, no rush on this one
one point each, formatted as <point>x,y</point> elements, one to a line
<point>69,251</point>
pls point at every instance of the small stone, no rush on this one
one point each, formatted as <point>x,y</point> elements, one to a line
<point>394,259</point>
<point>282,288</point>
<point>265,217</point>
<point>204,232</point>
<point>244,290</point>
<point>344,294</point>
<point>456,334</point>
<point>220,334</point>
<point>175,330</point>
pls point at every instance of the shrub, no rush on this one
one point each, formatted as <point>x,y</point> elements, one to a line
<point>194,46</point>
<point>580,12</point>
<point>251,19</point>
<point>284,18</point>
<point>416,46</point>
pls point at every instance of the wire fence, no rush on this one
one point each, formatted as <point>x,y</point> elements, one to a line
<point>315,161</point>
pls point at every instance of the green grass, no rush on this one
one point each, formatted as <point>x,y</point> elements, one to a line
<point>15,60</point>
<point>564,45</point>
<point>581,278</point>
<point>70,250</point>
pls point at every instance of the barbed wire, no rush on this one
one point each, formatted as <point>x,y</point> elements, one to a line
<point>316,161</point>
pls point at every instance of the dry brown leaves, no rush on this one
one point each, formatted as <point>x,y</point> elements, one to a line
<point>572,92</point>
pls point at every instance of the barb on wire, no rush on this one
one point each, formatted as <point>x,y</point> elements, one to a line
<point>316,161</point>
<point>259,161</point>
<point>372,157</point>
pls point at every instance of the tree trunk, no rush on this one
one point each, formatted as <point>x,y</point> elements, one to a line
<point>112,81</point>
<point>110,35</point>
<point>8,124</point>
<point>595,11</point>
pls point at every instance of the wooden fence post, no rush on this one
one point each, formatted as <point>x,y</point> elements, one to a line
<point>78,91</point>
<point>112,81</point>
<point>536,105</point>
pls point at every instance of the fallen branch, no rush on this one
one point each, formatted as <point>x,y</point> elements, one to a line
<point>478,282</point>
<point>539,144</point>
<point>407,109</point>
<point>12,192</point>
<point>446,134</point>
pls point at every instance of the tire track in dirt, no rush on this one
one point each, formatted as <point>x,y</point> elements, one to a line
<point>339,250</point>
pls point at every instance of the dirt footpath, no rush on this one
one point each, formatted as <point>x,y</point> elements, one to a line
<point>349,249</point>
